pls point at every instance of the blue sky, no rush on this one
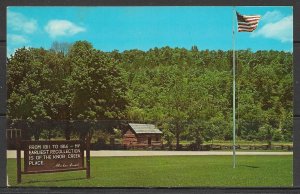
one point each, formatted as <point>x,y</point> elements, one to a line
<point>124,28</point>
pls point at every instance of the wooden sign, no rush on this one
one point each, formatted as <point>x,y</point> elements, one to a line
<point>53,156</point>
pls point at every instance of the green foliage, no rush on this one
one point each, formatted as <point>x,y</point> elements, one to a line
<point>100,136</point>
<point>168,136</point>
<point>277,135</point>
<point>191,91</point>
<point>45,85</point>
<point>187,93</point>
<point>47,134</point>
<point>96,87</point>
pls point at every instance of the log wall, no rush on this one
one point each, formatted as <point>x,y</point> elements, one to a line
<point>132,140</point>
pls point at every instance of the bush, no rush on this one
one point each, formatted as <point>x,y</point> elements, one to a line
<point>277,135</point>
<point>262,134</point>
<point>101,136</point>
<point>168,136</point>
<point>49,134</point>
<point>287,134</point>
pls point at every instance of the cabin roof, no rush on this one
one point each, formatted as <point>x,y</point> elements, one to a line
<point>144,128</point>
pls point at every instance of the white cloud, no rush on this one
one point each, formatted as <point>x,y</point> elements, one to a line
<point>18,22</point>
<point>62,28</point>
<point>281,30</point>
<point>17,39</point>
<point>272,16</point>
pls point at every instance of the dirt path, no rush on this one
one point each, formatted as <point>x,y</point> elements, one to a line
<point>110,153</point>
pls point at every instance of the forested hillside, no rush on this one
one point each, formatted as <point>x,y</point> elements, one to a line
<point>186,92</point>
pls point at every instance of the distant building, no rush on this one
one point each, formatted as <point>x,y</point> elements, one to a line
<point>142,136</point>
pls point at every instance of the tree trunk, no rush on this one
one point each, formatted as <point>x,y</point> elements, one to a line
<point>269,139</point>
<point>49,135</point>
<point>177,141</point>
<point>36,135</point>
<point>198,139</point>
<point>177,137</point>
<point>68,131</point>
<point>82,135</point>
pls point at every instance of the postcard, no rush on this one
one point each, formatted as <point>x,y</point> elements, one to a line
<point>150,96</point>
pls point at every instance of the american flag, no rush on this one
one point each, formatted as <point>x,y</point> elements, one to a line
<point>247,23</point>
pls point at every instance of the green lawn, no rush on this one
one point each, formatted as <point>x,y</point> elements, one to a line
<point>168,171</point>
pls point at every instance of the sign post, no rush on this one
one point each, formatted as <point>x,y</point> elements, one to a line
<point>18,160</point>
<point>53,156</point>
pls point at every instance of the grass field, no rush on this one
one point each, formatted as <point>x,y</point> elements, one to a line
<point>168,171</point>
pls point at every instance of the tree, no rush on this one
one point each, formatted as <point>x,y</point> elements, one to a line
<point>61,47</point>
<point>96,85</point>
<point>32,94</point>
<point>187,93</point>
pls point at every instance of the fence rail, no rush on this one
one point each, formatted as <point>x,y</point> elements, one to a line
<point>191,147</point>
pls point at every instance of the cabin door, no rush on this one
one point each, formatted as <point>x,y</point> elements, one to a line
<point>149,140</point>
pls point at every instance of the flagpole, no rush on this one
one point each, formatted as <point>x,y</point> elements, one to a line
<point>233,85</point>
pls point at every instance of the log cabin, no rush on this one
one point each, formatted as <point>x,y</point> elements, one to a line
<point>142,136</point>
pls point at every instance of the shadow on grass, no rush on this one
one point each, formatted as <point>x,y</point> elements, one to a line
<point>248,166</point>
<point>56,180</point>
